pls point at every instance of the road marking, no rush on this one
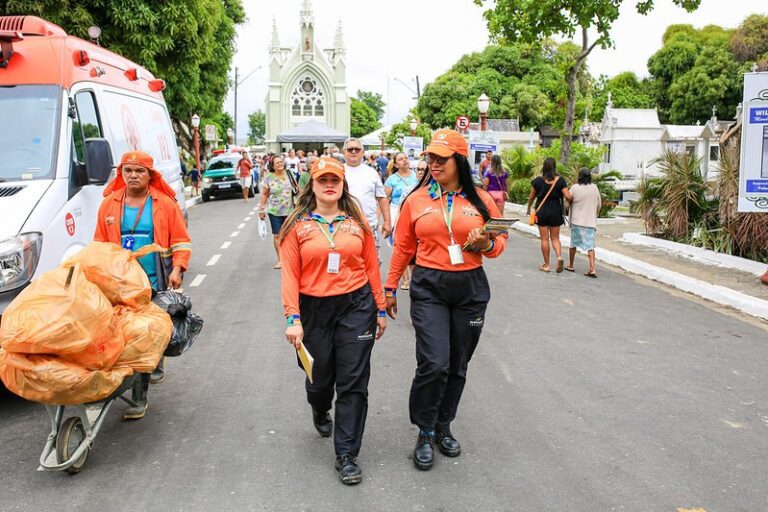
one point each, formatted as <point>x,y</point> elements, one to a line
<point>213,260</point>
<point>247,219</point>
<point>241,226</point>
<point>234,234</point>
<point>226,245</point>
<point>197,280</point>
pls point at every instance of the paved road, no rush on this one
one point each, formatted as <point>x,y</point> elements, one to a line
<point>584,395</point>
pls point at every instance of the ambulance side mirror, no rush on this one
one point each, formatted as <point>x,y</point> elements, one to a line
<point>98,161</point>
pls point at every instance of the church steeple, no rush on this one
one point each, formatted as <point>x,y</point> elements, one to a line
<point>307,27</point>
<point>338,41</point>
<point>274,45</point>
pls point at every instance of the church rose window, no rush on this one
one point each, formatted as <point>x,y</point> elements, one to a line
<point>307,98</point>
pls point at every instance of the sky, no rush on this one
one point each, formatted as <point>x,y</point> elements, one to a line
<point>388,43</point>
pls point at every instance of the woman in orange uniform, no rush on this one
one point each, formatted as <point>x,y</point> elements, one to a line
<point>334,303</point>
<point>449,290</point>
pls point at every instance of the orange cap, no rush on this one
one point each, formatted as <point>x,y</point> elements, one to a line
<point>137,158</point>
<point>327,165</point>
<point>446,143</point>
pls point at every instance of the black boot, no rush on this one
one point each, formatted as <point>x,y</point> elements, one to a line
<point>158,374</point>
<point>323,422</point>
<point>446,443</point>
<point>138,397</point>
<point>349,471</point>
<point>424,453</point>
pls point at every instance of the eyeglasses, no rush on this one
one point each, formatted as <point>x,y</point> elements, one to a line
<point>431,158</point>
<point>354,150</point>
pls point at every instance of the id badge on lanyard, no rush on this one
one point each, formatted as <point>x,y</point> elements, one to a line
<point>128,243</point>
<point>454,249</point>
<point>334,262</point>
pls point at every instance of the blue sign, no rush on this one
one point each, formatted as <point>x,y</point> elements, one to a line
<point>482,147</point>
<point>757,186</point>
<point>758,115</point>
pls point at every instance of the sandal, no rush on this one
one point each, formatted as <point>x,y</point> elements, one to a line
<point>405,286</point>
<point>560,265</point>
<point>277,265</point>
<point>593,275</point>
<point>544,268</point>
<point>570,269</point>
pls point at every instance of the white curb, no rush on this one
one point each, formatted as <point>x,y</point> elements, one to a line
<point>698,254</point>
<point>719,294</point>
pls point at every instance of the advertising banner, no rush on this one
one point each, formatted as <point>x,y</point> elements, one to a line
<point>413,146</point>
<point>753,168</point>
<point>479,144</point>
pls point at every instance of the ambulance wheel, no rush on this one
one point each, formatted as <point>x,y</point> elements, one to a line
<point>205,197</point>
<point>70,437</point>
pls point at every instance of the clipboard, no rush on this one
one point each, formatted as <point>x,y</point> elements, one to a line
<point>494,227</point>
<point>306,359</point>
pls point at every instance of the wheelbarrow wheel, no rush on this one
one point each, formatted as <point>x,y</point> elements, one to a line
<point>70,437</point>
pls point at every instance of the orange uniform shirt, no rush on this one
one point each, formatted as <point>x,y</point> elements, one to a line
<point>304,257</point>
<point>422,230</point>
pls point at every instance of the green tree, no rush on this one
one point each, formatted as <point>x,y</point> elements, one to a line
<point>374,102</point>
<point>626,90</point>
<point>523,81</point>
<point>534,20</point>
<point>394,137</point>
<point>701,59</point>
<point>750,41</point>
<point>257,125</point>
<point>362,118</point>
<point>188,43</point>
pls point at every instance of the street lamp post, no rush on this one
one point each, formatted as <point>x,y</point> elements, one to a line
<point>196,132</point>
<point>483,102</point>
<point>237,83</point>
<point>413,125</point>
<point>381,137</point>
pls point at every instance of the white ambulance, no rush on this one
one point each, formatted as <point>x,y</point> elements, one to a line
<point>68,109</point>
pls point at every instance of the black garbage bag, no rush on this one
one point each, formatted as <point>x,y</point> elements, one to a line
<point>186,325</point>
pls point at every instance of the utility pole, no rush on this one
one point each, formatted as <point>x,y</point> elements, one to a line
<point>236,84</point>
<point>418,89</point>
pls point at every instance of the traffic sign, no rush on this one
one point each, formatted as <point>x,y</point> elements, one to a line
<point>210,132</point>
<point>462,123</point>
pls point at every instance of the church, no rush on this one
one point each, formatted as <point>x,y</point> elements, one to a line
<point>307,104</point>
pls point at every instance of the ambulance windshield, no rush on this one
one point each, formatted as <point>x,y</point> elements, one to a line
<point>29,116</point>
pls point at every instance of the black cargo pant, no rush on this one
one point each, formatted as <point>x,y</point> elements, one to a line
<point>448,312</point>
<point>339,332</point>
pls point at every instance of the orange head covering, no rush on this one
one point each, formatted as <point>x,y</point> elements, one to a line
<point>143,159</point>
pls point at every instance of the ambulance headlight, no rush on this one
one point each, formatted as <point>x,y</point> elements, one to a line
<point>207,181</point>
<point>19,257</point>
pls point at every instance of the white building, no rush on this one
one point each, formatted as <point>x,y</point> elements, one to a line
<point>634,138</point>
<point>306,83</point>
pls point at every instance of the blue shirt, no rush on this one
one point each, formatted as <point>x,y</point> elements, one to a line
<point>144,235</point>
<point>383,163</point>
<point>400,186</point>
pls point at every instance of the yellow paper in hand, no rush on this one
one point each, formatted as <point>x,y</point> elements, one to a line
<point>306,360</point>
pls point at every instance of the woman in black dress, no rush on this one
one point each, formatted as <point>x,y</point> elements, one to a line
<point>549,190</point>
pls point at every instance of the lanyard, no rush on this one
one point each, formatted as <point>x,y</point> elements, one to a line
<point>328,233</point>
<point>447,215</point>
<point>141,211</point>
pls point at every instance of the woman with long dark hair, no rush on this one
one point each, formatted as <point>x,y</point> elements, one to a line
<point>495,182</point>
<point>549,189</point>
<point>276,198</point>
<point>397,186</point>
<point>449,289</point>
<point>334,304</point>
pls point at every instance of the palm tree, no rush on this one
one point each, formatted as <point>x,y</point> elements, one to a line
<point>682,192</point>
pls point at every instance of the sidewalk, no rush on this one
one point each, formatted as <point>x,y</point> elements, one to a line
<point>727,286</point>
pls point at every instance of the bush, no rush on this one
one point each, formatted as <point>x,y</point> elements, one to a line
<point>519,190</point>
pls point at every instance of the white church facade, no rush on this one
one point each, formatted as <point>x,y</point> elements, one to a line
<point>306,83</point>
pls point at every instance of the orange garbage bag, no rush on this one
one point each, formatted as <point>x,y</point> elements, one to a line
<point>63,314</point>
<point>146,331</point>
<point>49,380</point>
<point>116,272</point>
